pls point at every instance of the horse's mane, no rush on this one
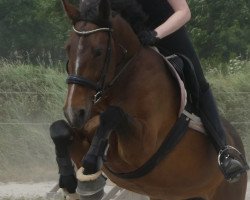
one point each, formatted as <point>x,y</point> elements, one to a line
<point>130,10</point>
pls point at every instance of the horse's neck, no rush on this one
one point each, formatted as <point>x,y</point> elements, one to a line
<point>124,35</point>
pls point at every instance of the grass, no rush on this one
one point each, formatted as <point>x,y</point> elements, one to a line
<point>26,150</point>
<point>232,91</point>
<point>28,94</point>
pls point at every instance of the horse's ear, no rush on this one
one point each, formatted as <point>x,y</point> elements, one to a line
<point>104,9</point>
<point>72,12</point>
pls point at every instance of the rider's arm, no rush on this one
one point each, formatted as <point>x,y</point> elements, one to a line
<point>180,17</point>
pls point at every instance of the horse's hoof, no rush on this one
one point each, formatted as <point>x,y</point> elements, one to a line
<point>96,196</point>
<point>92,189</point>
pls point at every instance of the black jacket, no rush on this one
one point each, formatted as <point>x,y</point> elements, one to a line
<point>158,11</point>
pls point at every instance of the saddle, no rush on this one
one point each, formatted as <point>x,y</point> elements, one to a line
<point>188,85</point>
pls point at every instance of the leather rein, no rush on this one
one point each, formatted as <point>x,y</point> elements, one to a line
<point>100,87</point>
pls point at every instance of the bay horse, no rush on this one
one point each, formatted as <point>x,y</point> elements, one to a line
<point>124,92</point>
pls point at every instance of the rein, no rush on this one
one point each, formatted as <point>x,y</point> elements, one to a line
<point>100,86</point>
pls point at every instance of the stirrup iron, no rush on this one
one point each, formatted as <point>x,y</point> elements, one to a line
<point>234,154</point>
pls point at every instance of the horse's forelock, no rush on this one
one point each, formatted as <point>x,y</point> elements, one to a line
<point>89,10</point>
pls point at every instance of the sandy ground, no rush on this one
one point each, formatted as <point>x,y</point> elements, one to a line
<point>14,191</point>
<point>28,190</point>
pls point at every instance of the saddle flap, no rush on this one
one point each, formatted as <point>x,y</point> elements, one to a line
<point>176,65</point>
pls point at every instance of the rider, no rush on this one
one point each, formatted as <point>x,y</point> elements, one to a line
<point>165,30</point>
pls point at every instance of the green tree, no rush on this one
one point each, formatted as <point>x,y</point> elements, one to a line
<point>32,28</point>
<point>220,28</point>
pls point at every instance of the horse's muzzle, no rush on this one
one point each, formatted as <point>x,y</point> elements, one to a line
<point>76,118</point>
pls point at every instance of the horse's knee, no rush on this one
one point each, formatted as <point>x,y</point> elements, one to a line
<point>114,118</point>
<point>60,131</point>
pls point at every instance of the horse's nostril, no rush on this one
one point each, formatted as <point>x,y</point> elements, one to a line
<point>81,114</point>
<point>75,117</point>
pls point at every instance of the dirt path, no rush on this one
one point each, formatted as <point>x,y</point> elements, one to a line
<point>27,190</point>
<point>35,190</point>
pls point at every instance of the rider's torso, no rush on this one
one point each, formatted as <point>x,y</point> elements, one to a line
<point>158,11</point>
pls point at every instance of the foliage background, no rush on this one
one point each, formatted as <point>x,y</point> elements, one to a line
<point>221,29</point>
<point>37,30</point>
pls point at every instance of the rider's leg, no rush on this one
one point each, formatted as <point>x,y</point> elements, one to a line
<point>229,164</point>
<point>180,43</point>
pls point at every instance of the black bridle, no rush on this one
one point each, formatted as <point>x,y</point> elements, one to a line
<point>100,87</point>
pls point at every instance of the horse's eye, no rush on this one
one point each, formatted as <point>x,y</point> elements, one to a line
<point>97,52</point>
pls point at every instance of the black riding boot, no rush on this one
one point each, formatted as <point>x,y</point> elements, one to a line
<point>231,162</point>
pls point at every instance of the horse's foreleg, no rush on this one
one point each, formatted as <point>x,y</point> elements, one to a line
<point>60,133</point>
<point>113,119</point>
<point>90,181</point>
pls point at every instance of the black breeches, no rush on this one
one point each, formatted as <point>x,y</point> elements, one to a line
<point>180,43</point>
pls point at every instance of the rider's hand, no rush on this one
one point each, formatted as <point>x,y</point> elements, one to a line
<point>148,38</point>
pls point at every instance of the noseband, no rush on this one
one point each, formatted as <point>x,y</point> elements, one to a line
<point>100,86</point>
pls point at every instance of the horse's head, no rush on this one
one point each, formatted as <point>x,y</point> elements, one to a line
<point>97,47</point>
